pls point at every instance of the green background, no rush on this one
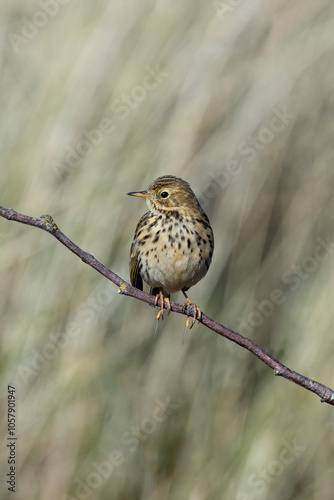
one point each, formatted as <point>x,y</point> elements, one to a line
<point>104,410</point>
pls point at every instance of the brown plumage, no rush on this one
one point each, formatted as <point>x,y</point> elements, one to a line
<point>173,242</point>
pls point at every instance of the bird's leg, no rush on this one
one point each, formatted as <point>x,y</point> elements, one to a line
<point>160,296</point>
<point>168,306</point>
<point>197,313</point>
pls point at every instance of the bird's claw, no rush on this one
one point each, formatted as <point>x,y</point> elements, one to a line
<point>163,301</point>
<point>197,313</point>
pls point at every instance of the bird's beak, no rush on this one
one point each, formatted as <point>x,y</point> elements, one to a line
<point>140,194</point>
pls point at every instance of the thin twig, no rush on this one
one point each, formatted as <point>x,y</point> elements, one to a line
<point>47,223</point>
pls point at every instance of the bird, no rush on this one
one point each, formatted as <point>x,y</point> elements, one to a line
<point>173,243</point>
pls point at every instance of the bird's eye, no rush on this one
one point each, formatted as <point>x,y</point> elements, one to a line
<point>164,194</point>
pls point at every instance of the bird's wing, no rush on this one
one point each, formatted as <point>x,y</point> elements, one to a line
<point>135,278</point>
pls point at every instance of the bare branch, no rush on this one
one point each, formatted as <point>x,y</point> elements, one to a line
<point>47,223</point>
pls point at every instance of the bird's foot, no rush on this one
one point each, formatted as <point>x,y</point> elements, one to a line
<point>197,313</point>
<point>163,301</point>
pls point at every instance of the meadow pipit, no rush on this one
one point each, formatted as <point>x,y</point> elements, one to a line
<point>173,242</point>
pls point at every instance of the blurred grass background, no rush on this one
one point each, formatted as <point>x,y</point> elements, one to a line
<point>215,423</point>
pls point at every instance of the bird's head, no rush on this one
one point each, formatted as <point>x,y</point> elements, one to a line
<point>170,193</point>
